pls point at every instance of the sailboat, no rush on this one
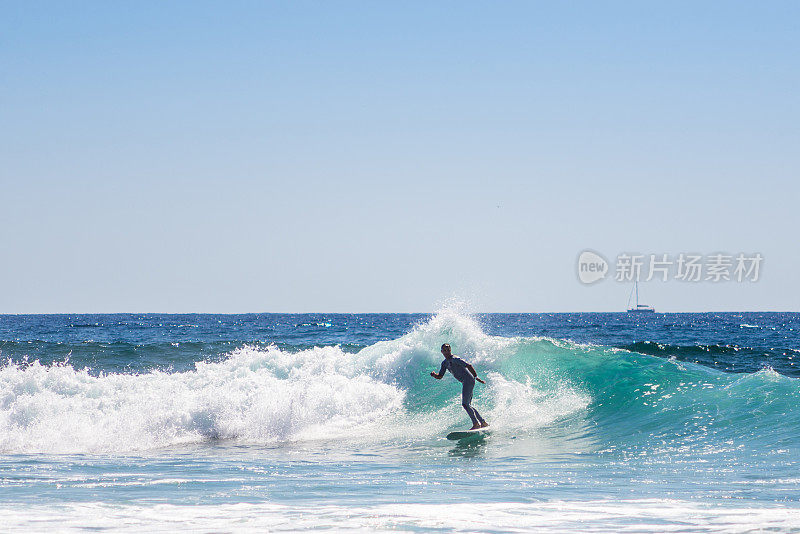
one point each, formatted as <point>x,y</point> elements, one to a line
<point>638,308</point>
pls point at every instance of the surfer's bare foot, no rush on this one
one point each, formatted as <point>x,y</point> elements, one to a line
<point>475,427</point>
<point>484,425</point>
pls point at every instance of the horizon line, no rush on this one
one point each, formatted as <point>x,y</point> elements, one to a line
<point>3,314</point>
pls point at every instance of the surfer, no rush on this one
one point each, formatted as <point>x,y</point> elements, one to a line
<point>464,373</point>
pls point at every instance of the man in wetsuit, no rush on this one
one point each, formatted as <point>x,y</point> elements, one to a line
<point>464,373</point>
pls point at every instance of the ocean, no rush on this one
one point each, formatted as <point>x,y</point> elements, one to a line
<point>601,422</point>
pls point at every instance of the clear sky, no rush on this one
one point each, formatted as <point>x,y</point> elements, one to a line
<point>386,156</point>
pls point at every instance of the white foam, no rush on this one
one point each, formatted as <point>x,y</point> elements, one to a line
<point>521,406</point>
<point>617,516</point>
<point>60,409</point>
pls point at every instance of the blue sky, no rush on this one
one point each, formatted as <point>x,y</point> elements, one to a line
<point>376,156</point>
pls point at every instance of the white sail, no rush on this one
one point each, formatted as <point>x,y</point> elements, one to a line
<point>638,307</point>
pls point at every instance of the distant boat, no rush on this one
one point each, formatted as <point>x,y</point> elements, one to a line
<point>638,308</point>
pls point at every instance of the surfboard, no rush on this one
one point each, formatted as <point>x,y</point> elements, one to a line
<point>479,433</point>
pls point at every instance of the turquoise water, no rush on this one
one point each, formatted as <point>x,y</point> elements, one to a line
<point>601,422</point>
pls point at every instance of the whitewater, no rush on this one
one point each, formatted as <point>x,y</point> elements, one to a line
<point>288,422</point>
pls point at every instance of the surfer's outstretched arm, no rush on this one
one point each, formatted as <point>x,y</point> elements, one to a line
<point>472,370</point>
<point>439,376</point>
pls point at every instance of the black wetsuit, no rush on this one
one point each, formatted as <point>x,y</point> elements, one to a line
<point>458,368</point>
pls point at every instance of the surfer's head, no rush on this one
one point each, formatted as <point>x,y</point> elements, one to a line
<point>446,350</point>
